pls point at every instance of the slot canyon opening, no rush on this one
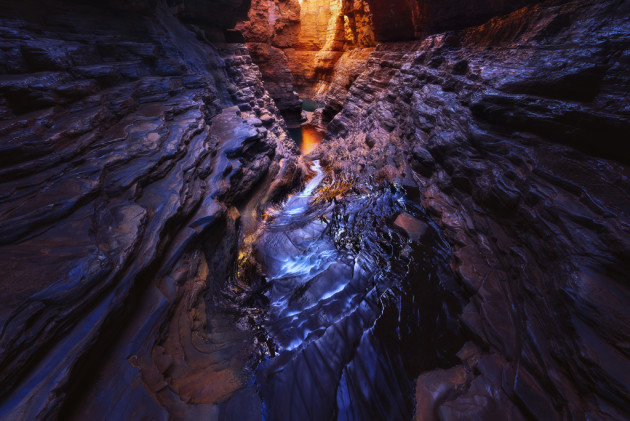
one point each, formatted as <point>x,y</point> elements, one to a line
<point>297,45</point>
<point>307,137</point>
<point>307,134</point>
<point>314,209</point>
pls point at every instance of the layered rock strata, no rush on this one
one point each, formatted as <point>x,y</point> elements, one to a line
<point>486,165</point>
<point>133,154</point>
<point>514,132</point>
<point>403,20</point>
<point>297,44</point>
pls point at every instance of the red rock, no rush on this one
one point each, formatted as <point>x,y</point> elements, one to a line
<point>412,226</point>
<point>435,387</point>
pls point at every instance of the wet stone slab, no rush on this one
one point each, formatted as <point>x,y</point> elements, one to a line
<point>352,327</point>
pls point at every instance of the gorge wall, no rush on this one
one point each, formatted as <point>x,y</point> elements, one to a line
<point>132,153</point>
<point>142,144</point>
<point>515,135</point>
<point>514,132</point>
<point>298,43</point>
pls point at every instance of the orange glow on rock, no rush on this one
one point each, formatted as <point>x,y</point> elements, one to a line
<point>310,138</point>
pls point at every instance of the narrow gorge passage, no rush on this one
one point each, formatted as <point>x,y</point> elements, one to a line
<point>314,210</point>
<point>309,131</point>
<point>361,300</point>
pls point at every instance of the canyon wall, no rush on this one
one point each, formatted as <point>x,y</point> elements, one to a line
<point>297,44</point>
<point>400,20</point>
<point>133,153</point>
<point>514,134</point>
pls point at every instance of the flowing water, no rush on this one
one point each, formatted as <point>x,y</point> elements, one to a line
<point>358,307</point>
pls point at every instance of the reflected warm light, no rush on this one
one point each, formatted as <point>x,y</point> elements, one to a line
<point>310,139</point>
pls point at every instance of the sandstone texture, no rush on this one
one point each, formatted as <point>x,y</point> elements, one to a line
<point>399,20</point>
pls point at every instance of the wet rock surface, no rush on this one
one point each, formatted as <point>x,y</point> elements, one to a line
<point>129,148</point>
<point>524,169</point>
<point>461,253</point>
<point>357,306</point>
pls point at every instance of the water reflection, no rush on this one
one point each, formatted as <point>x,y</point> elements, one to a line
<point>307,137</point>
<point>357,308</point>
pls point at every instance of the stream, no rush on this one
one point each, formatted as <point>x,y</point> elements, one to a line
<point>360,301</point>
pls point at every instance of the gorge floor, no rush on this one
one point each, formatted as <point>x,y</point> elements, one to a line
<point>360,301</point>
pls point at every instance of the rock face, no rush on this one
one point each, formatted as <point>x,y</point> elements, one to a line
<point>297,44</point>
<point>399,20</point>
<point>132,154</point>
<point>466,256</point>
<point>515,133</point>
